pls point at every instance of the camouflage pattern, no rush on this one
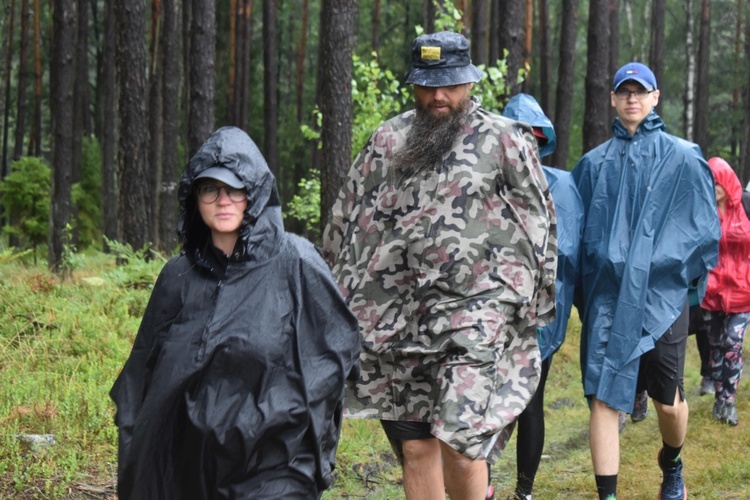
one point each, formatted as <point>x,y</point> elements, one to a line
<point>449,271</point>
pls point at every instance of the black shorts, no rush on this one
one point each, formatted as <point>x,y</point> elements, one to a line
<point>662,368</point>
<point>398,430</point>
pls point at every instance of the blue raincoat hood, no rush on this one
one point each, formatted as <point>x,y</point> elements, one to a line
<point>569,210</point>
<point>524,108</point>
<point>651,229</point>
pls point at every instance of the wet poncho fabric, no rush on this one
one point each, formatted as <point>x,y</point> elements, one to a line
<point>728,288</point>
<point>449,270</point>
<point>569,211</point>
<point>651,229</point>
<point>234,386</point>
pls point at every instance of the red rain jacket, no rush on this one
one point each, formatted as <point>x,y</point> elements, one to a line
<point>729,282</point>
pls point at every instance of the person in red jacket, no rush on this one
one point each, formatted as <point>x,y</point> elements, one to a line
<point>725,310</point>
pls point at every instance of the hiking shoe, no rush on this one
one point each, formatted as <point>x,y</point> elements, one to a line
<point>640,408</point>
<point>720,411</point>
<point>707,386</point>
<point>730,414</point>
<point>672,484</point>
<point>622,419</point>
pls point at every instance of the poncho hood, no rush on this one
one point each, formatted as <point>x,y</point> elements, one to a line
<point>524,108</point>
<point>231,148</point>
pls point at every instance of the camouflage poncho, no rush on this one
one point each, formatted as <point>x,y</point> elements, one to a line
<point>450,271</point>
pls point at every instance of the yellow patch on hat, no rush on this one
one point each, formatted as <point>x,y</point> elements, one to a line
<point>431,53</point>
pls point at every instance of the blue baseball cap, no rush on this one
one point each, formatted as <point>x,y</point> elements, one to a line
<point>638,73</point>
<point>441,60</point>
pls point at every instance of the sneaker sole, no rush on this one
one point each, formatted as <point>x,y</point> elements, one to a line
<point>684,493</point>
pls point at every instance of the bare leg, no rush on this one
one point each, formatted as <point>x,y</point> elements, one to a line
<point>465,479</point>
<point>423,469</point>
<point>673,421</point>
<point>604,439</point>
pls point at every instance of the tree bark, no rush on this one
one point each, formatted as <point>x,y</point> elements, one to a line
<point>428,16</point>
<point>744,163</point>
<point>155,123</point>
<point>202,76</point>
<point>8,67</point>
<point>545,59</point>
<point>23,73</point>
<point>528,45</point>
<point>35,138</point>
<point>702,78</point>
<point>109,126</point>
<point>338,23</point>
<point>62,81</point>
<point>596,113</point>
<point>656,49</point>
<point>81,121</point>
<point>511,38</point>
<point>376,26</point>
<point>231,113</point>
<point>495,54</point>
<point>133,144</point>
<point>565,81</point>
<point>299,61</point>
<point>270,87</point>
<point>479,27</point>
<point>736,89</point>
<point>689,99</point>
<point>614,46</point>
<point>170,57</point>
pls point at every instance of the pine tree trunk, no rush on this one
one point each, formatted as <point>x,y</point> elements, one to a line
<point>80,104</point>
<point>479,27</point>
<point>736,89</point>
<point>598,80</point>
<point>656,49</point>
<point>744,166</point>
<point>133,144</point>
<point>545,60</point>
<point>170,57</point>
<point>565,81</point>
<point>376,26</point>
<point>35,138</point>
<point>270,87</point>
<point>689,99</point>
<point>614,46</point>
<point>528,45</point>
<point>6,106</point>
<point>23,73</point>
<point>202,78</point>
<point>511,38</point>
<point>109,126</point>
<point>702,78</point>
<point>299,59</point>
<point>155,124</point>
<point>62,83</point>
<point>338,23</point>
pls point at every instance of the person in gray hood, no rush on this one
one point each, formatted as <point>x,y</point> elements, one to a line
<point>234,387</point>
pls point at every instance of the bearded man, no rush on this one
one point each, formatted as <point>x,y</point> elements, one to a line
<point>443,242</point>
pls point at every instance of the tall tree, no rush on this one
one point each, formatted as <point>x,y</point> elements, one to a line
<point>202,77</point>
<point>614,45</point>
<point>338,21</point>
<point>702,78</point>
<point>170,63</point>
<point>243,61</point>
<point>479,28</point>
<point>35,138</point>
<point>81,121</point>
<point>376,26</point>
<point>744,162</point>
<point>270,86</point>
<point>528,43</point>
<point>6,107</point>
<point>133,143</point>
<point>299,60</point>
<point>62,81</point>
<point>429,12</point>
<point>494,51</point>
<point>511,37</point>
<point>736,89</point>
<point>689,94</point>
<point>565,82</point>
<point>656,49</point>
<point>234,12</point>
<point>23,74</point>
<point>109,124</point>
<point>155,123</point>
<point>596,113</point>
<point>545,59</point>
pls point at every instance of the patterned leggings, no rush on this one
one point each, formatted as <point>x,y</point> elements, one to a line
<point>725,334</point>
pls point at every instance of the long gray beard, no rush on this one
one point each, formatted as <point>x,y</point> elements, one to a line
<point>429,138</point>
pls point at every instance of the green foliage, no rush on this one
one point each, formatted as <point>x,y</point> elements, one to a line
<point>25,198</point>
<point>86,194</point>
<point>306,207</point>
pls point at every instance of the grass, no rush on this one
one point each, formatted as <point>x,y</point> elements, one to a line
<point>62,344</point>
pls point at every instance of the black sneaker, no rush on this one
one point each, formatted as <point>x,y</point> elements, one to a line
<point>719,411</point>
<point>730,414</point>
<point>673,484</point>
<point>640,408</point>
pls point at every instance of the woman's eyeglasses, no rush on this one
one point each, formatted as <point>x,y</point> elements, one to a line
<point>209,193</point>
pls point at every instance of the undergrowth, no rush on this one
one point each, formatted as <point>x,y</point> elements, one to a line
<point>62,344</point>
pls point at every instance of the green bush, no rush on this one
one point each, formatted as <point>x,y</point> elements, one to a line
<point>24,194</point>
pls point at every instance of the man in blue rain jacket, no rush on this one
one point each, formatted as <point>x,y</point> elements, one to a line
<point>651,228</point>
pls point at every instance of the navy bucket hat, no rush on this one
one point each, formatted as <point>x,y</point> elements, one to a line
<point>441,60</point>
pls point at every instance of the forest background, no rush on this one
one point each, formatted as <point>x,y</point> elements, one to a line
<point>103,102</point>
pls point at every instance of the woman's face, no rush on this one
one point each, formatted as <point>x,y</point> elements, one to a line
<point>721,194</point>
<point>218,208</point>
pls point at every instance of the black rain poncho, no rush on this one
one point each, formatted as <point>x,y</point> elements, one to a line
<point>234,387</point>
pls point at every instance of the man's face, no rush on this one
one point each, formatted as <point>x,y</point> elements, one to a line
<point>439,101</point>
<point>633,102</point>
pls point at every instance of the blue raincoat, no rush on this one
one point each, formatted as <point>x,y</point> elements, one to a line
<point>569,209</point>
<point>651,228</point>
